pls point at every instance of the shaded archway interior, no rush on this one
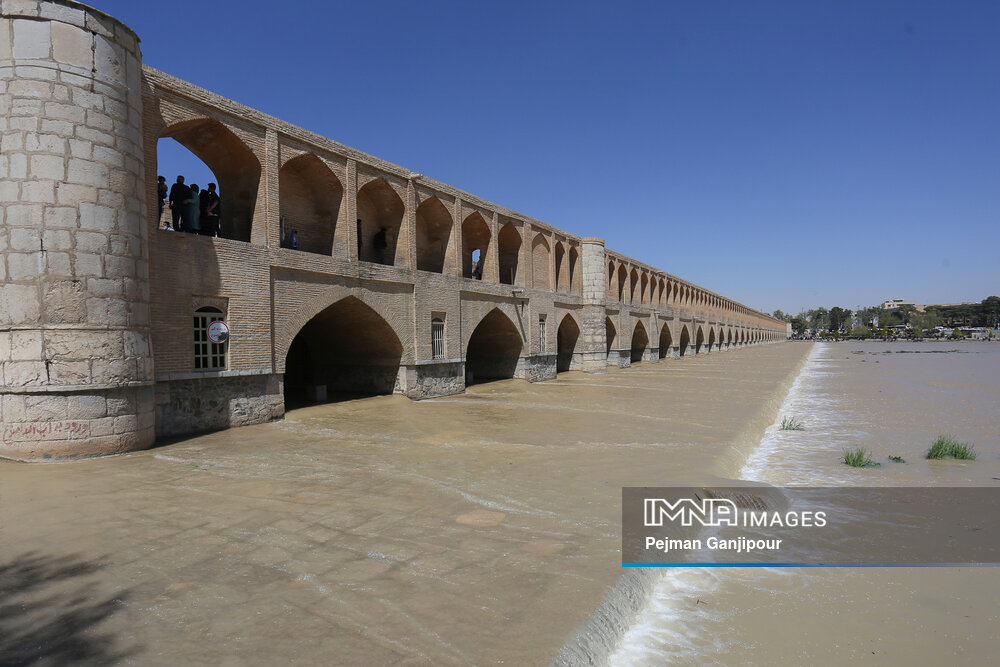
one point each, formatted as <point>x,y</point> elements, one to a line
<point>566,339</point>
<point>380,217</point>
<point>493,350</point>
<point>640,340</point>
<point>347,351</point>
<point>310,196</point>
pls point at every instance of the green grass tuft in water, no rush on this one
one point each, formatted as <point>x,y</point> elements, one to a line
<point>860,458</point>
<point>791,424</point>
<point>947,447</point>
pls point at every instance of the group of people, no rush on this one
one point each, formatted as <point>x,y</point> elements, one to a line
<point>191,210</point>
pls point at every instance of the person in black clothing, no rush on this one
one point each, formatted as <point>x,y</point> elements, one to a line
<point>161,195</point>
<point>209,211</point>
<point>180,197</point>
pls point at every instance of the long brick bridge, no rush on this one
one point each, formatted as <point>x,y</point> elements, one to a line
<point>104,313</point>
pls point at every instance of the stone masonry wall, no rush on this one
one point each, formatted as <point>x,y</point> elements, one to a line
<point>74,296</point>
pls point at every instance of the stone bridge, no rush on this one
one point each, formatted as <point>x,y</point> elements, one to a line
<point>104,312</point>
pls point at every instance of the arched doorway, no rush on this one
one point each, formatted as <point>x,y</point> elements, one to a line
<point>566,338</point>
<point>685,340</point>
<point>345,351</point>
<point>493,350</point>
<point>699,340</point>
<point>509,247</point>
<point>475,243</point>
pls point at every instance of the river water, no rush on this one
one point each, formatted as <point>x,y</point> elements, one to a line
<point>893,399</point>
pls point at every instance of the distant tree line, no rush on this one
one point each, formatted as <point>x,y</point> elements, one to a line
<point>864,321</point>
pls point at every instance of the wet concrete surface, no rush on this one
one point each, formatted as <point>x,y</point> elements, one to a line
<point>480,528</point>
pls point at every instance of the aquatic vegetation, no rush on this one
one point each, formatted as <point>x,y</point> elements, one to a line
<point>860,458</point>
<point>791,424</point>
<point>947,447</point>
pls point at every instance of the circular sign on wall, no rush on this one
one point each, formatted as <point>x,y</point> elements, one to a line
<point>218,332</point>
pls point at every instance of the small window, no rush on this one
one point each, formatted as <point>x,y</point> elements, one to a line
<point>208,356</point>
<point>541,334</point>
<point>437,338</point>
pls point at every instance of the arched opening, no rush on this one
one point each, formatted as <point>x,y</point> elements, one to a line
<point>380,215</point>
<point>685,341</point>
<point>699,340</point>
<point>560,255</point>
<point>663,295</point>
<point>232,162</point>
<point>566,338</point>
<point>433,234</point>
<point>309,195</point>
<point>574,285</point>
<point>666,342</point>
<point>622,279</point>
<point>640,340</point>
<point>493,350</point>
<point>633,292</point>
<point>729,338</point>
<point>475,243</point>
<point>711,339</point>
<point>609,334</point>
<point>644,289</point>
<point>509,246</point>
<point>540,263</point>
<point>345,351</point>
<point>610,292</point>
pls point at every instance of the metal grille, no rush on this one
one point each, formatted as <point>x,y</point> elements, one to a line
<point>208,355</point>
<point>437,338</point>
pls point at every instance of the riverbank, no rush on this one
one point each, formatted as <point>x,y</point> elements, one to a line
<point>476,528</point>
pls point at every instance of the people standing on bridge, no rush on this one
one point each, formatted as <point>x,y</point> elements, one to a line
<point>379,244</point>
<point>194,211</point>
<point>161,196</point>
<point>180,196</point>
<point>293,241</point>
<point>210,210</point>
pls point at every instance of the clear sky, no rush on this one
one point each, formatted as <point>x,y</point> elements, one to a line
<point>785,154</point>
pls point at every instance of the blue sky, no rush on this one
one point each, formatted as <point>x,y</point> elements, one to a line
<point>785,154</point>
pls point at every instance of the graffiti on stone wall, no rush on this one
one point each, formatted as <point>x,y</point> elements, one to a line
<point>44,430</point>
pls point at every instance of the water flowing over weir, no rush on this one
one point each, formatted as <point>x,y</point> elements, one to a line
<point>640,609</point>
<point>892,399</point>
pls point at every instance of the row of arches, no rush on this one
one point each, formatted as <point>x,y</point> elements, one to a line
<point>349,349</point>
<point>631,285</point>
<point>311,201</point>
<point>718,338</point>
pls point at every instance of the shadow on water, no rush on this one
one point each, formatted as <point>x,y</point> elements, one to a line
<point>49,612</point>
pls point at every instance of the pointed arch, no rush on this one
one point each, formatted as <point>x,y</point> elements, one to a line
<point>609,334</point>
<point>346,347</point>
<point>434,225</point>
<point>475,237</point>
<point>685,341</point>
<point>699,341</point>
<point>666,341</point>
<point>493,349</point>
<point>540,263</point>
<point>622,279</point>
<point>232,162</point>
<point>309,197</point>
<point>380,211</point>
<point>640,341</point>
<point>711,338</point>
<point>567,337</point>
<point>610,292</point>
<point>575,275</point>
<point>633,292</point>
<point>509,247</point>
<point>644,289</point>
<point>562,284</point>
